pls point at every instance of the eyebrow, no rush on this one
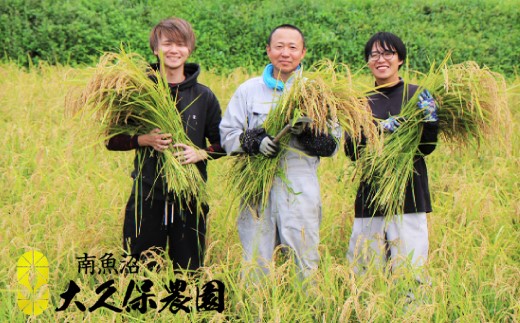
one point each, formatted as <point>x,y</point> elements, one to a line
<point>284,43</point>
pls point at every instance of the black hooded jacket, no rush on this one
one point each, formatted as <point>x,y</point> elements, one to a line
<point>201,115</point>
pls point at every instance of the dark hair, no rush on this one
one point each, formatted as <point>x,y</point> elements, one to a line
<point>175,29</point>
<point>387,41</point>
<point>287,26</point>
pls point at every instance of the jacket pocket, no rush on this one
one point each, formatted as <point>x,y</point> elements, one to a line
<point>259,114</point>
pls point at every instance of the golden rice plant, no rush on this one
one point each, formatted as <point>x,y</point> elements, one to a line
<point>325,94</point>
<point>472,105</point>
<point>125,95</point>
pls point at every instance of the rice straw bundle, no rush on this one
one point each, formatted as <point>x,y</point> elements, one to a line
<point>320,95</point>
<point>472,105</point>
<point>124,98</point>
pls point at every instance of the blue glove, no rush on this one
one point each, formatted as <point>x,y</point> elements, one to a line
<point>390,124</point>
<point>428,106</point>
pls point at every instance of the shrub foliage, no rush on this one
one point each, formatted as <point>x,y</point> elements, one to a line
<point>233,33</point>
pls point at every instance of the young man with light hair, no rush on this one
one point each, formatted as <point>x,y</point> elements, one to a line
<point>156,219</point>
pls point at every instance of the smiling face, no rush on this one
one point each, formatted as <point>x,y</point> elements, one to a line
<point>174,39</point>
<point>285,51</point>
<point>175,52</point>
<point>386,71</point>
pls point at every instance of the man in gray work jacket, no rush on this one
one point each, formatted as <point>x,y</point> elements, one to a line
<point>293,213</point>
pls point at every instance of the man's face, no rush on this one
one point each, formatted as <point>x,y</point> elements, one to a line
<point>285,51</point>
<point>175,52</point>
<point>385,70</point>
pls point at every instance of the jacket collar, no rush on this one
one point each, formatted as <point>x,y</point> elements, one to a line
<point>191,72</point>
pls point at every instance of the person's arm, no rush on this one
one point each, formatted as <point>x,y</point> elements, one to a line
<point>155,139</point>
<point>211,129</point>
<point>190,155</point>
<point>233,124</point>
<point>429,137</point>
<point>430,124</point>
<point>320,145</point>
<point>354,146</point>
<point>122,142</point>
<point>236,137</point>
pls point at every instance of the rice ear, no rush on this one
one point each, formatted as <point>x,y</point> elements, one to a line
<point>472,106</point>
<point>123,98</point>
<point>326,95</point>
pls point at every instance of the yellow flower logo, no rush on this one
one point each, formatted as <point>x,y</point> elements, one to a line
<point>33,274</point>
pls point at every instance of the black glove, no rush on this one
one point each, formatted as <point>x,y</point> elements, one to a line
<point>321,145</point>
<point>252,142</point>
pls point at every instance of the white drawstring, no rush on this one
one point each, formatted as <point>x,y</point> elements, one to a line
<point>165,216</point>
<point>171,216</point>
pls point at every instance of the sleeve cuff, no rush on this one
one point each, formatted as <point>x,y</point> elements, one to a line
<point>134,141</point>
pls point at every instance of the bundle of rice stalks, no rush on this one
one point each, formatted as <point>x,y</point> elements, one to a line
<point>473,103</point>
<point>327,96</point>
<point>472,106</point>
<point>126,96</point>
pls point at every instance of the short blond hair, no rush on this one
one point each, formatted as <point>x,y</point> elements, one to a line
<point>175,29</point>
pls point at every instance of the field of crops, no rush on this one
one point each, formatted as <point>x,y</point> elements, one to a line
<point>64,193</point>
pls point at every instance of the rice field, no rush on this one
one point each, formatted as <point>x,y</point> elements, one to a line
<point>64,195</point>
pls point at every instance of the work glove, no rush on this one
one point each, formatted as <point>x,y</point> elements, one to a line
<point>390,124</point>
<point>428,106</point>
<point>297,129</point>
<point>268,147</point>
<point>250,140</point>
<point>254,141</point>
<point>321,145</point>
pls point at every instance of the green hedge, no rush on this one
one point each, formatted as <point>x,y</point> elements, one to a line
<point>70,32</point>
<point>232,33</point>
